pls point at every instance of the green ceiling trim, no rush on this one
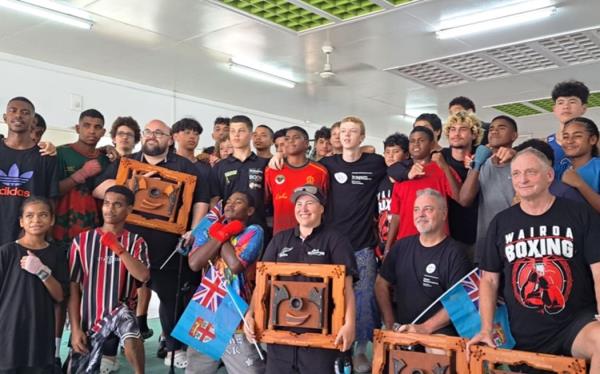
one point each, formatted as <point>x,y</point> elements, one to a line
<point>280,12</point>
<point>516,109</point>
<point>345,9</point>
<point>400,2</point>
<point>545,104</point>
<point>594,100</point>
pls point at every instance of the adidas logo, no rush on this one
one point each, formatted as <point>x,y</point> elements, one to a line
<point>14,178</point>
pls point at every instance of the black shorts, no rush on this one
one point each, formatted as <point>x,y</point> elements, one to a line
<point>300,360</point>
<point>561,343</point>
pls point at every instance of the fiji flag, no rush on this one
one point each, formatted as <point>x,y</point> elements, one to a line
<point>462,304</point>
<point>211,317</point>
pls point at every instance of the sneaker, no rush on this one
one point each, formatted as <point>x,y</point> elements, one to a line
<point>361,363</point>
<point>162,347</point>
<point>108,364</point>
<point>180,359</point>
<point>147,334</point>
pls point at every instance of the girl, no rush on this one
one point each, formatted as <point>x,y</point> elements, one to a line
<point>33,276</point>
<point>580,143</point>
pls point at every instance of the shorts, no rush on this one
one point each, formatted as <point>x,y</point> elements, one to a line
<point>561,343</point>
<point>300,360</point>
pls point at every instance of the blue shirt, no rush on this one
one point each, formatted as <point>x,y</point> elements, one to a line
<point>590,173</point>
<point>561,162</point>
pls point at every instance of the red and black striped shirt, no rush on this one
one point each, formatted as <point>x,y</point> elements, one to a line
<point>105,282</point>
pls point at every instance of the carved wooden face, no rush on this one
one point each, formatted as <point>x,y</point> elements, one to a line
<point>154,196</point>
<point>409,362</point>
<point>299,304</point>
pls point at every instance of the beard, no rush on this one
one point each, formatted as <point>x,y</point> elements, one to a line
<point>153,150</point>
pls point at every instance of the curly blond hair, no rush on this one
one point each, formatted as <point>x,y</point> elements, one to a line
<point>468,118</point>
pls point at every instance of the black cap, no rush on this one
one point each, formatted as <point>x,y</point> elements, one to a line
<point>310,190</point>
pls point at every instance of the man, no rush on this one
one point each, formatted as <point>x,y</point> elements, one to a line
<point>335,138</point>
<point>543,253</point>
<point>433,123</point>
<point>323,146</point>
<point>427,171</point>
<point>156,140</point>
<point>464,104</point>
<point>421,268</point>
<point>489,177</point>
<point>24,171</point>
<point>234,247</point>
<point>125,135</point>
<point>353,180</point>
<point>220,129</point>
<point>106,265</point>
<point>297,171</point>
<point>395,149</point>
<point>279,140</point>
<point>38,129</point>
<point>78,163</point>
<point>262,139</point>
<point>242,171</point>
<point>570,101</point>
<point>311,242</point>
<point>186,134</point>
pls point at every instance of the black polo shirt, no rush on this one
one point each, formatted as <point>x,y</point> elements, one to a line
<point>323,246</point>
<point>160,243</point>
<point>233,175</point>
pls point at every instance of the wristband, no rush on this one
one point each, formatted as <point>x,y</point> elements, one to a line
<point>44,273</point>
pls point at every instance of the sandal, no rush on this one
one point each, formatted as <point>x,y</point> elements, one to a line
<point>180,359</point>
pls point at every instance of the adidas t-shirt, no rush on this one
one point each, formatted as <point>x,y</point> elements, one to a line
<point>23,173</point>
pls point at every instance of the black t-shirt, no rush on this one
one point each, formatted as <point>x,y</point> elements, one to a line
<point>160,243</point>
<point>384,201</point>
<point>232,175</point>
<point>462,220</point>
<point>23,173</point>
<point>421,274</point>
<point>545,263</point>
<point>323,246</point>
<point>352,201</point>
<point>26,307</point>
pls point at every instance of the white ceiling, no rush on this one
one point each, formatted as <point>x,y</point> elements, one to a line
<point>184,45</point>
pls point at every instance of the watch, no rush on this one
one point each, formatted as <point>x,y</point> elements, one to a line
<point>44,273</point>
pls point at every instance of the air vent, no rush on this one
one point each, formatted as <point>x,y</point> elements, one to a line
<point>542,54</point>
<point>537,106</point>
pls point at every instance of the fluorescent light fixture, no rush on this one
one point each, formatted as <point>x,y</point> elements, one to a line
<point>51,10</point>
<point>496,18</point>
<point>261,75</point>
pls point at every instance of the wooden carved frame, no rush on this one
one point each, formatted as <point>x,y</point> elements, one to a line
<point>267,271</point>
<point>176,224</point>
<point>384,340</point>
<point>559,364</point>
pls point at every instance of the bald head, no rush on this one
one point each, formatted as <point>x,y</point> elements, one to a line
<point>158,124</point>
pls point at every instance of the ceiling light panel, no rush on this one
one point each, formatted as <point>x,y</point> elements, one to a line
<point>545,104</point>
<point>538,106</point>
<point>574,49</point>
<point>510,60</point>
<point>345,9</point>
<point>516,109</point>
<point>280,12</point>
<point>306,15</point>
<point>521,58</point>
<point>475,67</point>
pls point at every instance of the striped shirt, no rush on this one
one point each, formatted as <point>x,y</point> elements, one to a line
<point>105,282</point>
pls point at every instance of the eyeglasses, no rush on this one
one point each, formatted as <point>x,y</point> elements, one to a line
<point>123,134</point>
<point>157,133</point>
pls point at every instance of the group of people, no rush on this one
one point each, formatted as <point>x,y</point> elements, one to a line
<point>407,225</point>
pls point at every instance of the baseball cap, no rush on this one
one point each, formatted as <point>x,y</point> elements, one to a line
<point>310,190</point>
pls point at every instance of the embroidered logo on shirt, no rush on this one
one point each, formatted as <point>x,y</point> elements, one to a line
<point>284,251</point>
<point>14,178</point>
<point>316,252</point>
<point>279,179</point>
<point>341,177</point>
<point>430,268</point>
<point>255,179</point>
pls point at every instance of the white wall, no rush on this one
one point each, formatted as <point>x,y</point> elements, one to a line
<point>52,87</point>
